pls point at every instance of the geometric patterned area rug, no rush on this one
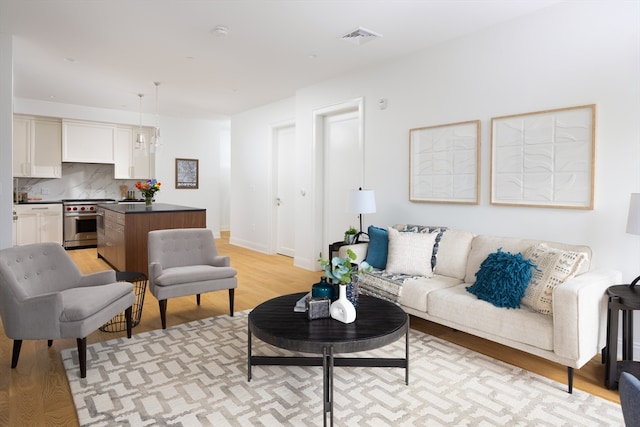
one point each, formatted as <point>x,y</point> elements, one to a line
<point>195,374</point>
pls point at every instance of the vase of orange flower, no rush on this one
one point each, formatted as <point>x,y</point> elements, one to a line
<point>148,189</point>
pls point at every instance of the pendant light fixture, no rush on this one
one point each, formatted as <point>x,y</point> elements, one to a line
<point>155,139</point>
<point>141,140</point>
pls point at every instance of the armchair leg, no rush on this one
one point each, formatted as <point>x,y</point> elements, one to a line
<point>127,315</point>
<point>49,343</point>
<point>570,378</point>
<point>82,356</point>
<point>198,299</point>
<point>163,312</point>
<point>17,345</point>
<point>231,295</point>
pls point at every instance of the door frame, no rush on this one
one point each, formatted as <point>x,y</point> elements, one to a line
<point>319,164</point>
<point>273,172</point>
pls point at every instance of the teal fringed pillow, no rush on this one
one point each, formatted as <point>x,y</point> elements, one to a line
<point>502,279</point>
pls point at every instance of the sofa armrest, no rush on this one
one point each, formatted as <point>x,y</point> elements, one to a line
<point>360,249</point>
<point>99,278</point>
<point>580,315</point>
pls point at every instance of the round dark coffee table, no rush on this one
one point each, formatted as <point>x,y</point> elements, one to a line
<point>378,323</point>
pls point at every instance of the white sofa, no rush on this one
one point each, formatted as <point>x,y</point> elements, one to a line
<point>572,335</point>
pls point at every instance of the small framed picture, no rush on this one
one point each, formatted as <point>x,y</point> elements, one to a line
<point>187,173</point>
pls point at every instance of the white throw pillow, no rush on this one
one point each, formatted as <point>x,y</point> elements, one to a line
<point>410,253</point>
<point>555,266</point>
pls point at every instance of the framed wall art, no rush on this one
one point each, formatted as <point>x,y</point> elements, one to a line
<point>187,173</point>
<point>544,159</point>
<point>444,163</point>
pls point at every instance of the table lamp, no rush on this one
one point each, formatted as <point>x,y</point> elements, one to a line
<point>362,202</point>
<point>633,222</point>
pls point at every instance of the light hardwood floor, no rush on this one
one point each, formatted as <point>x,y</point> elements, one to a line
<point>37,392</point>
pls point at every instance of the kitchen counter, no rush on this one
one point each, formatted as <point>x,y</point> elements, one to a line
<point>38,202</point>
<point>137,208</point>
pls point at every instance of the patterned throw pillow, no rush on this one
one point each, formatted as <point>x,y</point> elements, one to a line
<point>502,279</point>
<point>555,266</point>
<point>410,253</point>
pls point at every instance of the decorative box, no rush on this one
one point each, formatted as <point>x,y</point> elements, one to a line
<point>318,308</point>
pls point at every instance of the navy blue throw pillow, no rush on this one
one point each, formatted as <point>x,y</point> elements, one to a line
<point>502,279</point>
<point>378,247</point>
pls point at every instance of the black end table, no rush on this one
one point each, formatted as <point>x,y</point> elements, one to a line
<point>623,298</point>
<point>378,323</point>
<point>139,282</point>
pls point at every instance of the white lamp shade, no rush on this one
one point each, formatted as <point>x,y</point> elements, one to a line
<point>633,220</point>
<point>362,201</point>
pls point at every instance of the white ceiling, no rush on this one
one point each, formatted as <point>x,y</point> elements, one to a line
<point>102,53</point>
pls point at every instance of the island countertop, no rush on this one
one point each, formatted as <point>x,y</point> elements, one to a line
<point>138,208</point>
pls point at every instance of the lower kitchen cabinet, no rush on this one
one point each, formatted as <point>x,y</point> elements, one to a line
<point>38,222</point>
<point>111,241</point>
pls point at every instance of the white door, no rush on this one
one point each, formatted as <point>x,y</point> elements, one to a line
<point>343,171</point>
<point>284,143</point>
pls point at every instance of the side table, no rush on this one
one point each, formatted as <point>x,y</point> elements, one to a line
<point>119,322</point>
<point>623,298</point>
<point>334,248</point>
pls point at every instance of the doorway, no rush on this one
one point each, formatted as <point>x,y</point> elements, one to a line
<point>284,144</point>
<point>339,132</point>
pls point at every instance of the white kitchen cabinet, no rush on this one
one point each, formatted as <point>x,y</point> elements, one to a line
<point>131,163</point>
<point>38,222</point>
<point>88,142</point>
<point>37,147</point>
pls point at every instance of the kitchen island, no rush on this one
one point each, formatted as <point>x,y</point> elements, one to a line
<point>122,230</point>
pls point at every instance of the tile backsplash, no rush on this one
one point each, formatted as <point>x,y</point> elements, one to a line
<point>79,181</point>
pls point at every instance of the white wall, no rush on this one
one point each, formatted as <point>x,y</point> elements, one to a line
<point>566,55</point>
<point>181,138</point>
<point>252,199</point>
<point>6,126</point>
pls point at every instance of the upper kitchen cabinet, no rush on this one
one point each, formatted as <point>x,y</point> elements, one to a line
<point>37,147</point>
<point>88,142</point>
<point>130,162</point>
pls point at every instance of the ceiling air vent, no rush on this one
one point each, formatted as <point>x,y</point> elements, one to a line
<point>360,36</point>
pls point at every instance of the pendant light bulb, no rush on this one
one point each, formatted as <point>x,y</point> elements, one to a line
<point>140,138</point>
<point>155,139</point>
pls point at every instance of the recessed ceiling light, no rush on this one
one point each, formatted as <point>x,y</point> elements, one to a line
<point>360,36</point>
<point>313,56</point>
<point>70,59</point>
<point>220,31</point>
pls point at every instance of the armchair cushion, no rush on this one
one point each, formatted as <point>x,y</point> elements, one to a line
<point>80,304</point>
<point>193,273</point>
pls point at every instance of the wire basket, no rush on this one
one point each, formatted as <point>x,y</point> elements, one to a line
<point>119,322</point>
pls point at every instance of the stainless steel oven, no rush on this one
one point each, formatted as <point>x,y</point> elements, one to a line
<point>80,222</point>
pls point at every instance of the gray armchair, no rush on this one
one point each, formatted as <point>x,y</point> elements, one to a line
<point>43,295</point>
<point>629,387</point>
<point>185,261</point>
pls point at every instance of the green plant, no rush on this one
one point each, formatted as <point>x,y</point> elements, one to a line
<point>351,230</point>
<point>340,269</point>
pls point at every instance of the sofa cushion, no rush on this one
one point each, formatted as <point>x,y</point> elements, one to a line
<point>416,290</point>
<point>502,279</point>
<point>453,252</point>
<point>456,307</point>
<point>378,247</point>
<point>554,266</point>
<point>410,253</point>
<point>483,245</point>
